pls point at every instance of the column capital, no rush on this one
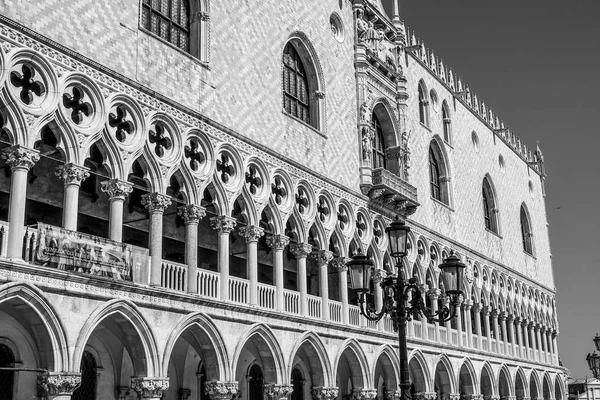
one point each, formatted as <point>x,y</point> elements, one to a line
<point>184,394</point>
<point>149,388</point>
<point>394,395</point>
<point>476,397</point>
<point>339,263</point>
<point>19,157</point>
<point>429,395</point>
<point>116,189</point>
<point>364,394</point>
<point>324,393</point>
<point>59,384</point>
<point>524,323</point>
<point>251,233</point>
<point>223,224</point>
<point>486,310</point>
<point>219,390</point>
<point>156,201</point>
<point>277,242</point>
<point>454,396</point>
<point>495,397</point>
<point>191,213</point>
<point>274,391</point>
<point>517,320</point>
<point>301,250</point>
<point>434,294</point>
<point>378,275</point>
<point>494,313</point>
<point>322,257</point>
<point>72,174</point>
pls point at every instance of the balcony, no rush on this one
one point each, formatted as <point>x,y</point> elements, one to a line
<point>389,189</point>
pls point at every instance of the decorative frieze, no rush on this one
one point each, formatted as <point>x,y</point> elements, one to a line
<point>274,391</point>
<point>218,390</point>
<point>149,388</point>
<point>324,393</point>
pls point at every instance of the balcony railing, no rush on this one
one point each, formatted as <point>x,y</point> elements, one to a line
<point>389,184</point>
<point>49,246</point>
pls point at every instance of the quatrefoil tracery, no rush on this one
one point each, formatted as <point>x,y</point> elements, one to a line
<point>160,139</point>
<point>278,190</point>
<point>123,126</point>
<point>193,153</point>
<point>76,103</point>
<point>361,225</point>
<point>323,209</point>
<point>225,167</point>
<point>28,83</point>
<point>342,216</point>
<point>253,179</point>
<point>302,200</point>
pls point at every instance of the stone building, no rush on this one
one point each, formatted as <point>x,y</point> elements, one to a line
<point>183,182</point>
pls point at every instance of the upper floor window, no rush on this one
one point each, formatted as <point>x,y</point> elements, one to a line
<point>438,174</point>
<point>446,122</point>
<point>526,231</point>
<point>168,19</point>
<point>295,85</point>
<point>378,156</point>
<point>434,175</point>
<point>423,104</point>
<point>489,207</point>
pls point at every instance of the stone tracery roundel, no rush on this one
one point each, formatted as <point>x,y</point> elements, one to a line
<point>364,226</point>
<point>32,83</point>
<point>163,140</point>
<point>228,169</point>
<point>281,191</point>
<point>81,104</point>
<point>326,210</point>
<point>345,218</point>
<point>305,201</point>
<point>198,156</point>
<point>256,180</point>
<point>125,123</point>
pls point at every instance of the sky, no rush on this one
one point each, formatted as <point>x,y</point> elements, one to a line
<point>536,63</point>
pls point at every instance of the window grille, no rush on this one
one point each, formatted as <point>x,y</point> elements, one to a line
<point>526,232</point>
<point>434,175</point>
<point>489,214</point>
<point>378,159</point>
<point>295,85</point>
<point>169,20</point>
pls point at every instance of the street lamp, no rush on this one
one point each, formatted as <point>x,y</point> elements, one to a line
<point>403,298</point>
<point>593,359</point>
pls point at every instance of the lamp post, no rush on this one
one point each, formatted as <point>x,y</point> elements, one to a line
<point>593,359</point>
<point>397,291</point>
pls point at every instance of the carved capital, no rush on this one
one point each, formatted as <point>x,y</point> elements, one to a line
<point>156,202</point>
<point>122,393</point>
<point>217,390</point>
<point>339,264</point>
<point>184,394</point>
<point>394,395</point>
<point>277,242</point>
<point>149,388</point>
<point>116,189</point>
<point>72,174</point>
<point>324,393</point>
<point>364,394</point>
<point>320,94</point>
<point>454,396</point>
<point>434,294</point>
<point>274,391</point>
<point>300,250</point>
<point>426,395</point>
<point>191,213</point>
<point>378,275</point>
<point>19,157</point>
<point>251,233</point>
<point>222,224</point>
<point>56,384</point>
<point>322,257</point>
<point>476,397</point>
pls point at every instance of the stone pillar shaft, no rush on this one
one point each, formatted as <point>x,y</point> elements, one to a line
<point>252,234</point>
<point>323,257</point>
<point>156,204</point>
<point>72,175</point>
<point>278,243</point>
<point>117,192</point>
<point>301,251</point>
<point>223,225</point>
<point>191,215</point>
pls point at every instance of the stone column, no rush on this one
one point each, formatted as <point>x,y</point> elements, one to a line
<point>549,345</point>
<point>117,192</point>
<point>191,214</point>
<point>495,325</point>
<point>377,276</point>
<point>424,331</point>
<point>252,234</point>
<point>274,391</point>
<point>469,328</point>
<point>324,393</point>
<point>538,343</point>
<point>20,160</point>
<point>525,326</point>
<point>72,175</point>
<point>434,294</point>
<point>156,204</point>
<point>518,336</point>
<point>554,346</point>
<point>511,330</point>
<point>339,264</point>
<point>322,257</point>
<point>278,243</point>
<point>459,327</point>
<point>59,386</point>
<point>454,396</point>
<point>218,390</point>
<point>149,388</point>
<point>364,394</point>
<point>446,303</point>
<point>301,251</point>
<point>486,323</point>
<point>223,225</point>
<point>502,318</point>
<point>477,317</point>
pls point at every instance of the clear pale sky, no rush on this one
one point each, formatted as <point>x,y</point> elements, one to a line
<point>537,64</point>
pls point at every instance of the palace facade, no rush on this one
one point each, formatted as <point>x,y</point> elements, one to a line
<point>183,182</point>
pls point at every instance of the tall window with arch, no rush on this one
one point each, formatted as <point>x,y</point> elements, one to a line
<point>489,207</point>
<point>446,122</point>
<point>378,156</point>
<point>438,174</point>
<point>526,234</point>
<point>423,105</point>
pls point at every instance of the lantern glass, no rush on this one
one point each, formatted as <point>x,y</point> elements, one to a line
<point>360,269</point>
<point>596,358</point>
<point>597,342</point>
<point>398,237</point>
<point>452,275</point>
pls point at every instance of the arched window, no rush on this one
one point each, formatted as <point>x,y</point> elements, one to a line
<point>438,174</point>
<point>423,105</point>
<point>489,207</point>
<point>447,123</point>
<point>169,20</point>
<point>295,85</point>
<point>526,231</point>
<point>378,157</point>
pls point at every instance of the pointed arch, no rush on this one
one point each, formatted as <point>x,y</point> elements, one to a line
<point>534,385</point>
<point>447,122</point>
<point>423,98</point>
<point>490,205</point>
<point>467,378</point>
<point>208,338</point>
<point>311,349</point>
<point>505,384</point>
<point>359,371</point>
<point>521,384</point>
<point>444,376</point>
<point>146,358</point>
<point>262,337</point>
<point>439,171</point>
<point>386,375</point>
<point>419,371</point>
<point>486,380</point>
<point>526,229</point>
<point>46,328</point>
